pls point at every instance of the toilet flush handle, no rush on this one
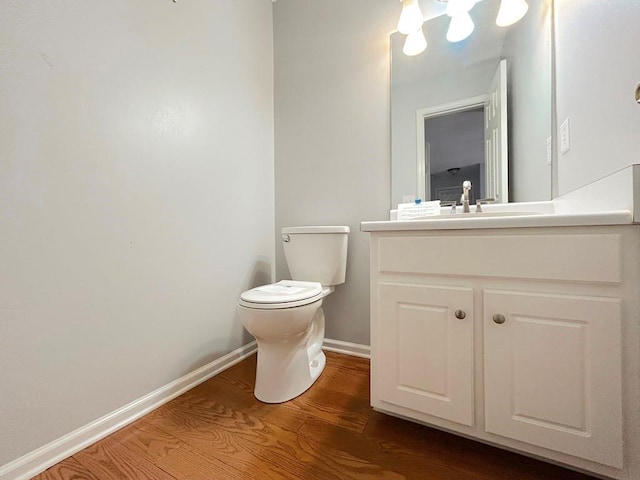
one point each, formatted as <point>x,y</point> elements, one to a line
<point>286,238</point>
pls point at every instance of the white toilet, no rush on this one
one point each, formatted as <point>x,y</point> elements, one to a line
<point>286,317</point>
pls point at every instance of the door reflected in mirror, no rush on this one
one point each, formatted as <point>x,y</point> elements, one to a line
<point>502,77</point>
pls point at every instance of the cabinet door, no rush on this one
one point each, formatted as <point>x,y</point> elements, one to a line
<point>425,351</point>
<point>553,372</point>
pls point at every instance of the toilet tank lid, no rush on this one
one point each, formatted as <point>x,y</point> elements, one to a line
<point>316,229</point>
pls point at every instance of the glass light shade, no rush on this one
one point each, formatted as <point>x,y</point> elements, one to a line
<point>511,11</point>
<point>461,27</point>
<point>458,7</point>
<point>415,43</point>
<point>411,17</point>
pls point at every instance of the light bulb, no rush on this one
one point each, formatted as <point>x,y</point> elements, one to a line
<point>415,43</point>
<point>461,27</point>
<point>511,11</point>
<point>410,18</point>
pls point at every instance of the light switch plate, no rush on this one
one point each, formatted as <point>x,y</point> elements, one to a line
<point>565,136</point>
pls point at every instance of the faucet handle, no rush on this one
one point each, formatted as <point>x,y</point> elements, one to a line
<point>451,204</point>
<point>466,184</point>
<point>483,201</point>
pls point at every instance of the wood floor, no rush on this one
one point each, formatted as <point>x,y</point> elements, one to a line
<point>219,430</point>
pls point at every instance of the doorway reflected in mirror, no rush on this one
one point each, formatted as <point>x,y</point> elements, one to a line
<point>454,148</point>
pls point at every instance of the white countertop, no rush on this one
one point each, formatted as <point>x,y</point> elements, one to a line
<point>615,217</point>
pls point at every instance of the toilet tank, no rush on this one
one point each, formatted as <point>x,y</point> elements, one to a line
<point>316,254</point>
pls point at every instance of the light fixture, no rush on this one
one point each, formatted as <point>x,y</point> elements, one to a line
<point>461,25</point>
<point>415,43</point>
<point>411,18</point>
<point>511,11</point>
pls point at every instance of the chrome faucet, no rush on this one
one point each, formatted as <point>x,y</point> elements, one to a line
<point>466,186</point>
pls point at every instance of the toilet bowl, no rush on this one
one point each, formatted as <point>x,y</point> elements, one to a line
<point>287,318</point>
<point>289,334</point>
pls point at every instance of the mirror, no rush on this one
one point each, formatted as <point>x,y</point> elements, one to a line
<point>480,109</point>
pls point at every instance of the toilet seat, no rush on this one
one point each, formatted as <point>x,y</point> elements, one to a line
<point>283,294</point>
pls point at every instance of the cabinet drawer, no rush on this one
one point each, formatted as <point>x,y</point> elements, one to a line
<point>579,258</point>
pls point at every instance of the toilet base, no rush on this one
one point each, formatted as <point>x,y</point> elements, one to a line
<point>284,373</point>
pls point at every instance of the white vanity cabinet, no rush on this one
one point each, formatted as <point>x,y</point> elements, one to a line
<point>517,337</point>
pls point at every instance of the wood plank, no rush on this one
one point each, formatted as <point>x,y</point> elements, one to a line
<point>242,373</point>
<point>250,444</point>
<point>68,469</point>
<point>341,361</point>
<point>108,459</point>
<point>286,418</point>
<point>406,461</point>
<point>348,411</point>
<point>346,377</point>
<point>226,436</point>
<point>410,439</point>
<point>189,464</point>
<point>172,455</point>
<point>142,438</point>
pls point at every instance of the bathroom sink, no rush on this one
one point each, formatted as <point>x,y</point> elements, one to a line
<point>474,215</point>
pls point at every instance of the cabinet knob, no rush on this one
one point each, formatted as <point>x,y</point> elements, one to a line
<point>460,314</point>
<point>499,318</point>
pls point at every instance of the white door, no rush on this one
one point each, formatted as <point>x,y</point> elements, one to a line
<point>553,372</point>
<point>427,171</point>
<point>496,138</point>
<point>426,351</point>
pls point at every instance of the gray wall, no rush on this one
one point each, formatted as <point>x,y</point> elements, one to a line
<point>598,68</point>
<point>136,199</point>
<point>332,136</point>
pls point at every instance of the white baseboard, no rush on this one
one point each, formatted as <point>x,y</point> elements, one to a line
<point>44,457</point>
<point>347,348</point>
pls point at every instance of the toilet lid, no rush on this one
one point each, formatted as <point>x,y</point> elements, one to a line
<point>285,292</point>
